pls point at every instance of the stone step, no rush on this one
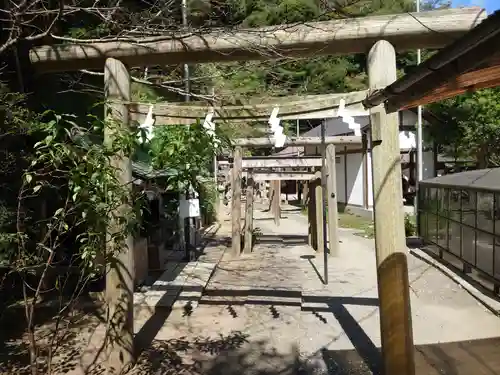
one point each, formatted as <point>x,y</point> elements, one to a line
<point>312,306</point>
<point>218,296</point>
<point>250,296</point>
<point>180,286</point>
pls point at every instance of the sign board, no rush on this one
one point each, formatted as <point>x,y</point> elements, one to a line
<point>189,207</point>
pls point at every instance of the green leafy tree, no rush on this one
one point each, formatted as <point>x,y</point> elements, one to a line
<point>472,128</point>
<point>61,196</point>
<point>187,150</point>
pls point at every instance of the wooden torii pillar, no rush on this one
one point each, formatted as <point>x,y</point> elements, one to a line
<point>236,201</point>
<point>276,202</point>
<point>392,269</point>
<point>249,214</point>
<point>331,188</point>
<point>315,214</point>
<point>120,272</point>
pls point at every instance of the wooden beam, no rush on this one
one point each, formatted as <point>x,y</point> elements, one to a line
<point>471,81</point>
<point>282,176</point>
<point>120,275</point>
<point>291,108</point>
<point>407,31</point>
<point>236,203</point>
<point>333,217</point>
<point>296,141</point>
<point>249,215</point>
<point>281,162</point>
<point>392,269</point>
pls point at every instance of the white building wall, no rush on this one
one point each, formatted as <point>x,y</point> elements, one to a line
<point>407,141</point>
<point>355,179</point>
<point>353,195</point>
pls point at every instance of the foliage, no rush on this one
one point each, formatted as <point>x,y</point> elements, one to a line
<point>61,201</point>
<point>88,191</point>
<point>209,198</point>
<point>188,151</point>
<point>14,146</point>
<point>472,128</point>
<point>410,225</point>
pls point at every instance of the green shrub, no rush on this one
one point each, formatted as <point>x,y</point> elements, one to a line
<point>410,225</point>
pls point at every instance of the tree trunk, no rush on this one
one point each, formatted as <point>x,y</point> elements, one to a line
<point>482,157</point>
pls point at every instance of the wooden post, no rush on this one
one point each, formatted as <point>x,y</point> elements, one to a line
<point>392,268</point>
<point>305,192</point>
<point>318,195</point>
<point>249,214</point>
<point>277,201</point>
<point>181,237</point>
<point>236,201</point>
<point>120,275</point>
<point>365,170</point>
<point>271,196</point>
<point>333,219</point>
<point>311,214</point>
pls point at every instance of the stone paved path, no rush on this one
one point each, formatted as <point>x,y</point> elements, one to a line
<point>268,312</point>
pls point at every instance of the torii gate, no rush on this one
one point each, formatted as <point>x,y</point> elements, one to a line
<point>323,186</point>
<point>291,108</point>
<point>377,35</point>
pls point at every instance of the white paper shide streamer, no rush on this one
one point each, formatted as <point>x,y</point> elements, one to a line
<point>274,122</point>
<point>349,120</point>
<point>147,126</point>
<point>209,126</point>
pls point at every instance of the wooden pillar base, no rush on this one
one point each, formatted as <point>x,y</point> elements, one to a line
<point>394,290</point>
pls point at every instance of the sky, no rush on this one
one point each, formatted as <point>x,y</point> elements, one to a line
<point>490,5</point>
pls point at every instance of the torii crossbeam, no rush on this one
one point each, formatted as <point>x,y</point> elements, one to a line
<point>432,29</point>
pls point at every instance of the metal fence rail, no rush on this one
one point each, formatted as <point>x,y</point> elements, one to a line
<point>462,226</point>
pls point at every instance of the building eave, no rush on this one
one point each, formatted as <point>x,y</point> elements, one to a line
<point>470,63</point>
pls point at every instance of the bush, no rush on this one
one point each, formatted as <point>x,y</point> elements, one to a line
<point>410,225</point>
